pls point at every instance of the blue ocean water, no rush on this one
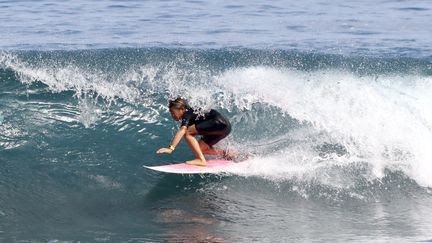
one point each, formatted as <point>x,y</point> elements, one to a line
<point>331,98</point>
<point>353,27</point>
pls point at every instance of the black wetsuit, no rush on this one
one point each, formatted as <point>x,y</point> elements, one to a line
<point>212,125</point>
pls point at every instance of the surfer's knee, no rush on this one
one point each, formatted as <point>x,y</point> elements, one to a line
<point>188,135</point>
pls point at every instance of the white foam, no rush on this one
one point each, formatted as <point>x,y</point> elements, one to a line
<point>385,120</point>
<point>69,77</point>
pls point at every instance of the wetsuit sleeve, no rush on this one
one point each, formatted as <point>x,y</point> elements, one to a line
<point>186,119</point>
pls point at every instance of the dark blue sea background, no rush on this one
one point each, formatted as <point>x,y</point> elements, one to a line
<point>332,99</point>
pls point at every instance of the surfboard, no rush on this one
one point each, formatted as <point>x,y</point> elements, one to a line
<point>213,166</point>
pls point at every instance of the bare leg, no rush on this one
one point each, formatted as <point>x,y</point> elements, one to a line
<point>206,149</point>
<point>195,147</point>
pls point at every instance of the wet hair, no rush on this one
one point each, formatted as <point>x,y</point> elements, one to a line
<point>178,103</point>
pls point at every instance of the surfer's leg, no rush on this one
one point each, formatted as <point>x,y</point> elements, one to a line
<point>213,131</point>
<point>206,149</point>
<point>210,150</point>
<point>191,132</point>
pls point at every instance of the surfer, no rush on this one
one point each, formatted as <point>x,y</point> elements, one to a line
<point>212,126</point>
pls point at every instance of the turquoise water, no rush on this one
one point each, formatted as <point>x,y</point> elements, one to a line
<point>333,103</point>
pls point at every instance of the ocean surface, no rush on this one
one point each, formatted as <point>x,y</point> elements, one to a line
<point>332,98</point>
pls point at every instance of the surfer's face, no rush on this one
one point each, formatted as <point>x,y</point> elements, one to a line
<point>177,114</point>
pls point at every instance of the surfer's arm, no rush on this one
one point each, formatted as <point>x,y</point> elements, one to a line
<point>176,140</point>
<point>180,133</point>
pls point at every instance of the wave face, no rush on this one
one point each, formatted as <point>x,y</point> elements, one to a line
<point>75,125</point>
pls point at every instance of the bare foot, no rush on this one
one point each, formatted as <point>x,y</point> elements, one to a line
<point>198,162</point>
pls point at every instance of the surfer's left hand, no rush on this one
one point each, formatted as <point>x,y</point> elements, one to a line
<point>164,150</point>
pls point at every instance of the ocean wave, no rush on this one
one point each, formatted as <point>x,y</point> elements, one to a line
<point>304,116</point>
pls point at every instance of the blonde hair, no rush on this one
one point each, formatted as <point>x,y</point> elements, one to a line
<point>178,103</point>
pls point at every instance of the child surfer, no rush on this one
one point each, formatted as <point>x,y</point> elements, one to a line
<point>211,125</point>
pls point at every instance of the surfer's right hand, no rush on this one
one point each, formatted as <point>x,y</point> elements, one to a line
<point>164,150</point>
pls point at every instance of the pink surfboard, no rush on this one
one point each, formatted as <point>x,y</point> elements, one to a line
<point>213,166</point>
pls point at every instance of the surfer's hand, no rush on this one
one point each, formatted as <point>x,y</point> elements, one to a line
<point>164,150</point>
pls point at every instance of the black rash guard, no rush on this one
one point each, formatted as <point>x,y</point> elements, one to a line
<point>212,125</point>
